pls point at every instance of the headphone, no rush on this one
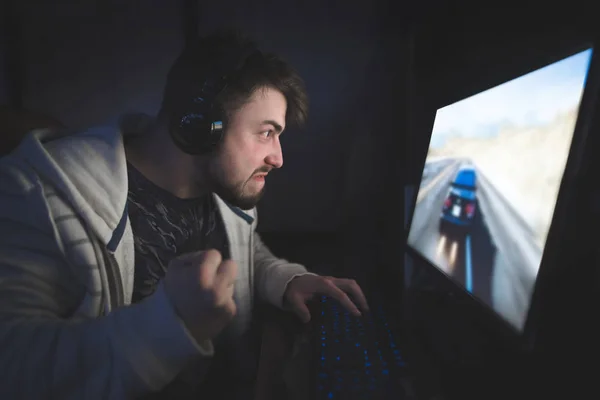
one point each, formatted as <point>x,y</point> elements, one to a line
<point>196,125</point>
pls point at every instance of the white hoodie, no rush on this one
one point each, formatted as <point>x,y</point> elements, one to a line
<point>67,328</point>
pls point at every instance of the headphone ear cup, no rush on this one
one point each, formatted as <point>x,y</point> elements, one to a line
<point>191,132</point>
<point>199,128</point>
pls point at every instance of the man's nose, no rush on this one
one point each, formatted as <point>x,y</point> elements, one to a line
<point>275,156</point>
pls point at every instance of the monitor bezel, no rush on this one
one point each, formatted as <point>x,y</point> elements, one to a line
<point>572,167</point>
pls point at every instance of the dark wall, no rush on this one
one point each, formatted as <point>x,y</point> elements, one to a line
<point>87,62</point>
<point>5,28</point>
<point>4,96</point>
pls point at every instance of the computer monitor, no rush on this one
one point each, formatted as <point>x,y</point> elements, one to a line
<point>490,182</point>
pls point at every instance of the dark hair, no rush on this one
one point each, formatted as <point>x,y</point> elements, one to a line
<point>208,55</point>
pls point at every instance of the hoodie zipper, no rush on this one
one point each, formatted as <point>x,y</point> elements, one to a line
<point>113,273</point>
<point>115,283</point>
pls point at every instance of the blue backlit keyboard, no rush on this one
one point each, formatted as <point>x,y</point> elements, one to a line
<point>357,357</point>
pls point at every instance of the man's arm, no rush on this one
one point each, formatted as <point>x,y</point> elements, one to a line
<point>131,352</point>
<point>273,274</point>
<point>274,280</point>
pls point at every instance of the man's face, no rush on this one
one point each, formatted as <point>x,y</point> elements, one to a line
<point>250,149</point>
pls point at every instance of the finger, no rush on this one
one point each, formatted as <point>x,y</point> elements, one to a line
<point>329,288</point>
<point>226,272</point>
<point>297,305</point>
<point>224,294</point>
<point>230,307</point>
<point>208,264</point>
<point>351,287</point>
<point>225,278</point>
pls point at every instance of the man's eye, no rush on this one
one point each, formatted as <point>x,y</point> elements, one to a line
<point>267,134</point>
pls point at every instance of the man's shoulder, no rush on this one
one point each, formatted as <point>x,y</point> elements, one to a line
<point>24,168</point>
<point>49,142</point>
<point>17,178</point>
<point>21,193</point>
<point>88,158</point>
<point>99,138</point>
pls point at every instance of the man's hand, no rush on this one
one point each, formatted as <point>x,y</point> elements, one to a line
<point>303,288</point>
<point>200,287</point>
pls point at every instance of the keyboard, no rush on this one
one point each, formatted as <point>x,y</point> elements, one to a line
<point>357,357</point>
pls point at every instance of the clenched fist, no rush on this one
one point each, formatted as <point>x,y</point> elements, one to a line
<point>200,286</point>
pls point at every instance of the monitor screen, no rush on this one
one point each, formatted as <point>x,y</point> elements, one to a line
<point>490,183</point>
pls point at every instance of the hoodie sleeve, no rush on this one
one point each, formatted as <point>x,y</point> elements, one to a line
<point>131,352</point>
<point>272,274</point>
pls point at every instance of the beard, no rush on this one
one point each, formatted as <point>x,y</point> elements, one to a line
<point>235,194</point>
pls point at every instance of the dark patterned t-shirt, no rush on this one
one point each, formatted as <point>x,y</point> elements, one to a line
<point>164,227</point>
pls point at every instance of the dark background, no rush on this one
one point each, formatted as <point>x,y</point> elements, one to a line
<point>87,62</point>
<point>375,71</point>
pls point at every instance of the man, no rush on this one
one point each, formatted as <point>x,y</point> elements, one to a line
<point>128,268</point>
